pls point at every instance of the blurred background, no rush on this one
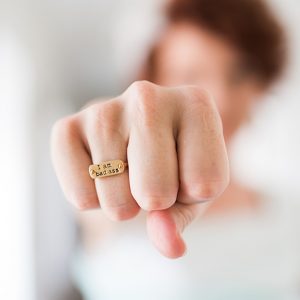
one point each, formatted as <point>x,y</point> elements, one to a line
<point>57,55</point>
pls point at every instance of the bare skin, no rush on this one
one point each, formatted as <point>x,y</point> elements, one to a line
<point>236,200</point>
<point>188,53</point>
<point>173,138</point>
<point>173,141</point>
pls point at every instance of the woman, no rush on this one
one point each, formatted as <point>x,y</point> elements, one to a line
<point>235,49</point>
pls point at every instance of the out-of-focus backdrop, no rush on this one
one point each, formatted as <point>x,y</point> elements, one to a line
<point>56,55</point>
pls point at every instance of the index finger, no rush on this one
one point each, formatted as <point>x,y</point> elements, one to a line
<point>202,155</point>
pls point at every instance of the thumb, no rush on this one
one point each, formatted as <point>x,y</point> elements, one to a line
<point>166,226</point>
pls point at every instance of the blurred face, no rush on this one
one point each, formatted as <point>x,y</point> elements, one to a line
<point>191,55</point>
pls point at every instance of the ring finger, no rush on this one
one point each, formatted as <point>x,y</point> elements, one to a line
<point>107,143</point>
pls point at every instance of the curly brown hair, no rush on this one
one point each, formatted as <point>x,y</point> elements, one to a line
<point>249,25</point>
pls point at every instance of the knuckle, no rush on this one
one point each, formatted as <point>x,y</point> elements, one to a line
<point>185,215</point>
<point>150,203</point>
<point>107,110</point>
<point>103,118</point>
<point>83,204</point>
<point>200,99</point>
<point>64,129</point>
<point>83,199</point>
<point>202,103</point>
<point>200,95</point>
<point>141,88</point>
<point>143,97</point>
<point>204,190</point>
<point>120,212</point>
<point>101,112</point>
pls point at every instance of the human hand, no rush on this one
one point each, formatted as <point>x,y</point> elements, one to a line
<point>172,139</point>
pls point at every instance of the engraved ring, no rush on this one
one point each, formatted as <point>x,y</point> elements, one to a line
<point>107,168</point>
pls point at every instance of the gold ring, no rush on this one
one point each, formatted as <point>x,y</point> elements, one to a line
<point>107,168</point>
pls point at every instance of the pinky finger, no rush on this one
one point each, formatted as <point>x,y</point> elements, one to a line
<point>71,161</point>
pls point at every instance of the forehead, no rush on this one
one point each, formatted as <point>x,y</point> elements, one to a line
<point>187,42</point>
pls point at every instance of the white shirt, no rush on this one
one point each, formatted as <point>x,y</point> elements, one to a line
<point>234,257</point>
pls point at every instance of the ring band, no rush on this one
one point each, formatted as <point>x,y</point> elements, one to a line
<point>107,168</point>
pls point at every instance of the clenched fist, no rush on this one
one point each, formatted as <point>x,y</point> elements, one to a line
<point>172,139</point>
